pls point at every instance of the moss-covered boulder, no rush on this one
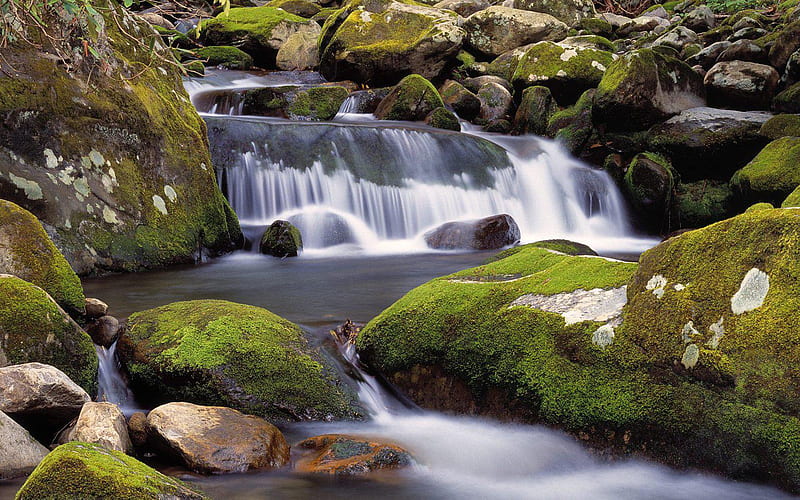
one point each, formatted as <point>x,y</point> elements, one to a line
<point>219,353</point>
<point>459,99</point>
<point>567,70</point>
<point>296,103</point>
<point>570,12</point>
<point>259,31</point>
<point>788,101</point>
<point>36,329</point>
<point>298,53</point>
<point>793,200</point>
<point>709,143</point>
<point>786,42</point>
<point>443,119</point>
<point>225,56</point>
<point>783,125</point>
<point>759,206</point>
<point>701,203</point>
<point>111,156</point>
<point>566,247</point>
<point>534,111</point>
<point>84,470</point>
<point>772,175</point>
<point>643,88</point>
<point>412,99</point>
<point>379,42</point>
<point>650,184</point>
<point>573,126</point>
<point>27,252</point>
<point>281,239</point>
<point>673,381</point>
<point>498,29</point>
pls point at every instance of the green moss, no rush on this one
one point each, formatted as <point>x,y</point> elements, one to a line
<point>771,175</point>
<point>596,26</point>
<point>793,200</point>
<point>89,471</point>
<point>443,119</point>
<point>563,246</point>
<point>411,99</point>
<point>36,330</point>
<point>788,101</point>
<point>227,57</point>
<point>257,22</point>
<point>738,16</point>
<point>759,206</point>
<point>784,125</point>
<point>319,103</point>
<point>221,353</point>
<point>195,68</point>
<point>702,203</point>
<point>31,255</point>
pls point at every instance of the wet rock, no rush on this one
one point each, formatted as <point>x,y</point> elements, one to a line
<point>298,53</point>
<point>569,12</point>
<point>443,119</point>
<point>95,308</point>
<point>281,239</point>
<point>225,57</point>
<point>27,252</point>
<point>499,29</point>
<point>85,470</point>
<point>706,143</point>
<point>650,183</point>
<point>412,99</point>
<point>104,330</point>
<point>741,85</point>
<point>212,439</point>
<point>20,453</point>
<point>42,398</point>
<point>343,455</point>
<point>643,88</point>
<point>103,424</point>
<point>296,103</point>
<point>380,42</point>
<point>459,99</point>
<point>492,232</point>
<point>35,329</point>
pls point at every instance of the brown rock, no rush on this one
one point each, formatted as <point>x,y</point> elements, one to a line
<point>137,429</point>
<point>95,308</point>
<point>104,330</point>
<point>103,424</point>
<point>488,233</point>
<point>344,455</point>
<point>214,439</point>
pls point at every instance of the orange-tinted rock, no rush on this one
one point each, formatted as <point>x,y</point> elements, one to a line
<point>345,455</point>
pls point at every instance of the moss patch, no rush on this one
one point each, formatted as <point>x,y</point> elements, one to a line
<point>89,471</point>
<point>411,99</point>
<point>215,352</point>
<point>225,56</point>
<point>772,175</point>
<point>784,125</point>
<point>35,329</point>
<point>793,200</point>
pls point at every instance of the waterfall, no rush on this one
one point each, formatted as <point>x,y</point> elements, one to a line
<point>111,384</point>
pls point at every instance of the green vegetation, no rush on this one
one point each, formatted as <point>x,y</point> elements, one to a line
<point>771,175</point>
<point>411,99</point>
<point>784,125</point>
<point>215,352</point>
<point>227,57</point>
<point>444,119</point>
<point>793,200</point>
<point>89,471</point>
<point>35,329</point>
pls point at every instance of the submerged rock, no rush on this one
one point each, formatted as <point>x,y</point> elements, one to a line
<point>84,470</point>
<point>492,232</point>
<point>20,453</point>
<point>215,352</point>
<point>213,440</point>
<point>27,252</point>
<point>103,424</point>
<point>281,239</point>
<point>343,455</point>
<point>35,329</point>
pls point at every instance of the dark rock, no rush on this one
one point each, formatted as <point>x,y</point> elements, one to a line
<point>343,455</point>
<point>743,50</point>
<point>95,308</point>
<point>534,111</point>
<point>281,239</point>
<point>459,99</point>
<point>104,330</point>
<point>786,43</point>
<point>741,85</point>
<point>708,56</point>
<point>137,430</point>
<point>700,19</point>
<point>492,232</point>
<point>412,99</point>
<point>496,102</point>
<point>650,183</point>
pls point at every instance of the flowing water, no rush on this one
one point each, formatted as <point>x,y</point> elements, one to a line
<point>363,193</point>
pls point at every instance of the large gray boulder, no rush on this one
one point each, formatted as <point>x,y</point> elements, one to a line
<point>499,29</point>
<point>19,453</point>
<point>488,233</point>
<point>643,88</point>
<point>741,85</point>
<point>214,439</point>
<point>570,12</point>
<point>103,424</point>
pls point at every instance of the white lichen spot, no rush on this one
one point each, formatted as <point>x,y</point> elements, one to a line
<point>673,76</point>
<point>603,336</point>
<point>561,73</point>
<point>690,356</point>
<point>203,166</point>
<point>365,16</point>
<point>718,331</point>
<point>110,216</point>
<point>679,287</point>
<point>170,193</point>
<point>657,284</point>
<point>86,162</point>
<point>68,224</point>
<point>31,188</point>
<point>113,176</point>
<point>108,184</point>
<point>50,159</point>
<point>598,65</point>
<point>752,292</point>
<point>81,185</point>
<point>688,331</point>
<point>159,203</point>
<point>568,54</point>
<point>89,208</point>
<point>96,158</point>
<point>65,176</point>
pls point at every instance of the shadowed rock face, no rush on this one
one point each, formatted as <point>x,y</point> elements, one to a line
<point>343,455</point>
<point>20,453</point>
<point>214,439</point>
<point>489,233</point>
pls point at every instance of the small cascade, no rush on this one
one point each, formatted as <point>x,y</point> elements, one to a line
<point>111,384</point>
